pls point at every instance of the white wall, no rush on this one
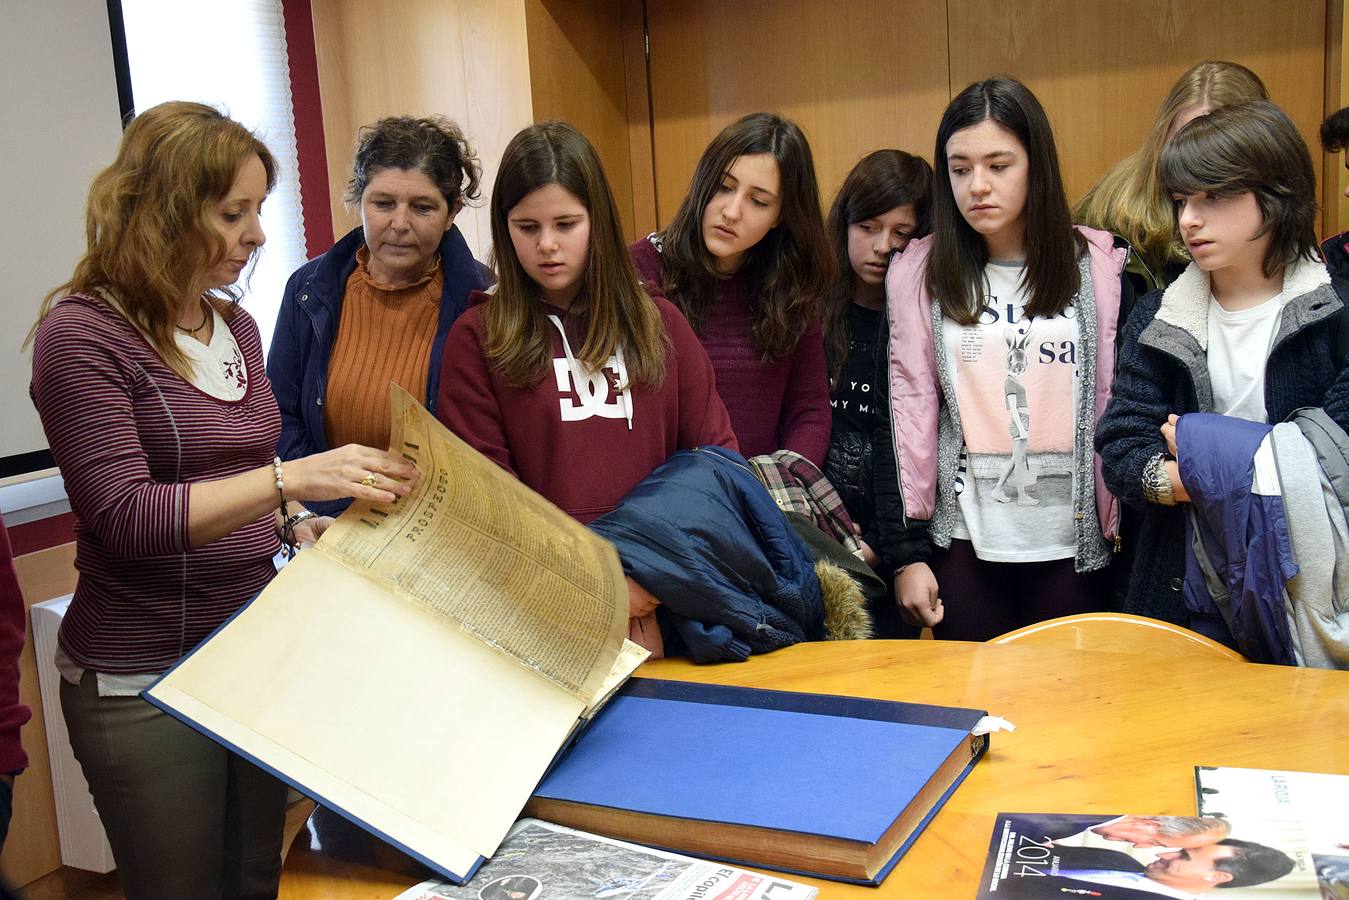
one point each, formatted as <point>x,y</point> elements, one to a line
<point>59,125</point>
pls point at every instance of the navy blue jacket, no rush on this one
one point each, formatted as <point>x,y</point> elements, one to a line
<point>703,535</point>
<point>1244,536</point>
<point>306,328</point>
<point>1163,369</point>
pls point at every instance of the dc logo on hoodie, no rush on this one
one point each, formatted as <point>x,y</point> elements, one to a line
<point>594,391</point>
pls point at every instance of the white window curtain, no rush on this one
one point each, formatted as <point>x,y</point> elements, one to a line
<point>232,56</point>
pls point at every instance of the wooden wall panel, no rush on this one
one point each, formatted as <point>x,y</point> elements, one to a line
<point>467,60</point>
<point>1334,178</point>
<point>33,847</point>
<point>881,74</point>
<point>641,148</point>
<point>580,63</point>
<point>1102,71</point>
<point>873,77</point>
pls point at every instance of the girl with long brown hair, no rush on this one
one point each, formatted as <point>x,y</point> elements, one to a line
<point>1002,335</point>
<point>150,384</point>
<point>746,259</point>
<point>568,375</point>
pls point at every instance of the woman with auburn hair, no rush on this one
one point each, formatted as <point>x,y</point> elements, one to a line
<point>149,380</point>
<point>883,204</point>
<point>745,258</point>
<point>568,375</point>
<point>1129,200</point>
<point>1002,336</point>
<point>376,307</point>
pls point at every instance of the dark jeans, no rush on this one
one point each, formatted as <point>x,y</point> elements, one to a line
<point>985,599</point>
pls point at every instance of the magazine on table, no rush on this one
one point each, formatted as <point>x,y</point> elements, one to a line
<point>1146,857</point>
<point>542,861</point>
<point>1315,803</point>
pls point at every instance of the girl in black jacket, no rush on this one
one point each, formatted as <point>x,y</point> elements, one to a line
<point>882,205</point>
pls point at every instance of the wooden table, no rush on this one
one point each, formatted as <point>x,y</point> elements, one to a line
<point>1096,733</point>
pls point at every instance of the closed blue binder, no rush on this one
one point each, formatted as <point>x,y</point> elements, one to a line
<point>821,785</point>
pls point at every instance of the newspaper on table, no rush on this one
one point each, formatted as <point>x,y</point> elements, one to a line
<point>543,861</point>
<point>417,669</point>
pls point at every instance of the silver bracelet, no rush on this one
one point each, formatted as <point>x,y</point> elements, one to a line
<point>288,528</point>
<point>1157,487</point>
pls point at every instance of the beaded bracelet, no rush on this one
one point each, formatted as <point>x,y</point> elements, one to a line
<point>280,486</point>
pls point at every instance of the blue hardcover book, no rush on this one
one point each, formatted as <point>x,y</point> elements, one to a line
<point>821,785</point>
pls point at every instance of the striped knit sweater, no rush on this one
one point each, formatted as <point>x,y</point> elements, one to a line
<point>130,435</point>
<point>13,714</point>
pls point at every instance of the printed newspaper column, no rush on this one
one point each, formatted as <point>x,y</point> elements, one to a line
<point>417,669</point>
<point>489,553</point>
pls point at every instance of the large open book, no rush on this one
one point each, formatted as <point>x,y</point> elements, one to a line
<point>419,667</point>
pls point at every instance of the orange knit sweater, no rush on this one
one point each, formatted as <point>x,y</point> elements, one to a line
<point>383,336</point>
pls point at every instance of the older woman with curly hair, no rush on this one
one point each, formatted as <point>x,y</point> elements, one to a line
<point>376,307</point>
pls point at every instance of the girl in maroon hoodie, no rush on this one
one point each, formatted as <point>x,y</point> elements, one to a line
<point>569,376</point>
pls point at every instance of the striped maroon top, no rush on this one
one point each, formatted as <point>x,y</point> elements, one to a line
<point>130,435</point>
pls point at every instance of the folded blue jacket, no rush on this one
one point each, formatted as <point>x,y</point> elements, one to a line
<point>703,535</point>
<point>1243,535</point>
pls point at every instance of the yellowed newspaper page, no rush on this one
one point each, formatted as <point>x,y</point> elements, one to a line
<point>629,658</point>
<point>375,706</point>
<point>420,666</point>
<point>473,544</point>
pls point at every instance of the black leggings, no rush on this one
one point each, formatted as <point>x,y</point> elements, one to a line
<point>985,599</point>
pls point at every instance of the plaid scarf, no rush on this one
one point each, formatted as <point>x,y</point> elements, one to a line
<point>797,485</point>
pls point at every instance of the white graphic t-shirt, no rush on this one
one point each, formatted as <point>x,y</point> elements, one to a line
<point>1016,387</point>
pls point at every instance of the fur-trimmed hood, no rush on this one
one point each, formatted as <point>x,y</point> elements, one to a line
<point>845,608</point>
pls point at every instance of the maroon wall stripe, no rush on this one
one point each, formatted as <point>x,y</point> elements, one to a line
<point>42,534</point>
<point>307,104</point>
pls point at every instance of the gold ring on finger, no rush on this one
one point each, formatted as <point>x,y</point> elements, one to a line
<point>369,479</point>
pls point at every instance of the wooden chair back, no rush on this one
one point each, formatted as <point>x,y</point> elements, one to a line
<point>1119,633</point>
